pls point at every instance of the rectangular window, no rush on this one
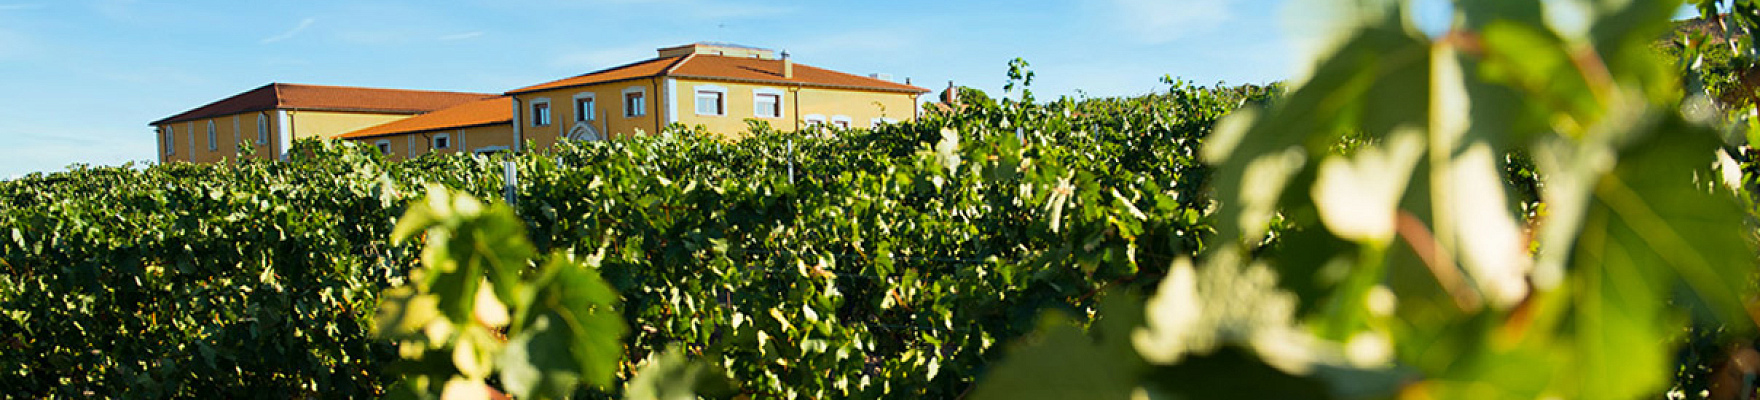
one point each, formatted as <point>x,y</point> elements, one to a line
<point>583,109</point>
<point>541,114</point>
<point>384,146</point>
<point>170,140</point>
<point>442,141</point>
<point>768,105</point>
<point>634,104</point>
<point>841,124</point>
<point>710,103</point>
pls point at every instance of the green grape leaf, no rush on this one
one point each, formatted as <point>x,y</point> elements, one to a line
<point>670,376</point>
<point>1081,369</point>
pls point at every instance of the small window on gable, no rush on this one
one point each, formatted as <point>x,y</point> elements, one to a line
<point>442,141</point>
<point>584,109</point>
<point>262,129</point>
<point>213,141</point>
<point>711,100</point>
<point>541,112</point>
<point>170,140</point>
<point>840,121</point>
<point>767,103</point>
<point>635,102</point>
<point>384,146</point>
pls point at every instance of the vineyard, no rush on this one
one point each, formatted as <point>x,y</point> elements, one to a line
<point>834,263</point>
<point>1503,211</point>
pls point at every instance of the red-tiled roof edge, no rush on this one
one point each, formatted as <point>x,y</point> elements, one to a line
<point>187,115</point>
<point>913,88</point>
<point>540,87</point>
<point>806,84</point>
<point>279,85</point>
<point>277,101</point>
<point>344,135</point>
<point>276,86</point>
<point>677,63</point>
<point>467,115</point>
<point>681,60</point>
<point>878,84</point>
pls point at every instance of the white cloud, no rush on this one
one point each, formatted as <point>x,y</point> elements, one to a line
<point>461,36</point>
<point>1162,21</point>
<point>303,24</point>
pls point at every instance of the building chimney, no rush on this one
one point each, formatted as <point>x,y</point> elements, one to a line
<point>951,95</point>
<point>787,66</point>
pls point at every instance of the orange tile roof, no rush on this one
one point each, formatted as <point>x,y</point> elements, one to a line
<point>498,110</point>
<point>328,98</point>
<point>708,66</point>
<point>640,69</point>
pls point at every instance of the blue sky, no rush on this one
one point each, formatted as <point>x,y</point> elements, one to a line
<point>80,79</point>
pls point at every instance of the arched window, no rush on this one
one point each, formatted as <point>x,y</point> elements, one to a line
<point>262,128</point>
<point>213,142</point>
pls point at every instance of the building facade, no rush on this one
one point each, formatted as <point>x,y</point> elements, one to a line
<point>480,127</point>
<point>271,117</point>
<point>717,86</point>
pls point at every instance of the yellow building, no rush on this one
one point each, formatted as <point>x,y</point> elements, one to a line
<point>480,126</point>
<point>718,86</point>
<point>271,117</point>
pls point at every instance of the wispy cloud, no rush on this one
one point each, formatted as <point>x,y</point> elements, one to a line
<point>1159,21</point>
<point>290,33</point>
<point>461,36</point>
